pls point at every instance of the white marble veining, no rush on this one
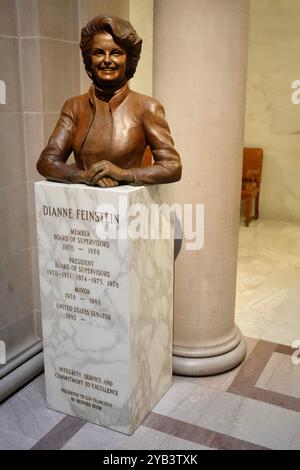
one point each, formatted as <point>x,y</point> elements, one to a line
<point>227,413</point>
<point>281,376</point>
<point>24,418</point>
<point>272,120</point>
<point>268,279</point>
<point>143,439</point>
<point>121,336</point>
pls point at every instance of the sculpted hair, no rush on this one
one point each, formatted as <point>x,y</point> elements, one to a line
<point>123,34</point>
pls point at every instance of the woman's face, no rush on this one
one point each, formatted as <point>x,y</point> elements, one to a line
<point>108,61</point>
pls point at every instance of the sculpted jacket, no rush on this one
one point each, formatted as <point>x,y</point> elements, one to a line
<point>118,130</point>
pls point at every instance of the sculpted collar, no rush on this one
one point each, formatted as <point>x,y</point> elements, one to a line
<point>117,98</point>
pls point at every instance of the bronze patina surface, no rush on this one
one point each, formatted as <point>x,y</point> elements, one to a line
<point>110,128</point>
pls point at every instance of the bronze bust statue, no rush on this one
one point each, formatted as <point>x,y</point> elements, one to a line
<point>110,127</point>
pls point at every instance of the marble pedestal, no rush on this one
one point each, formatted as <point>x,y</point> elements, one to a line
<point>107,303</point>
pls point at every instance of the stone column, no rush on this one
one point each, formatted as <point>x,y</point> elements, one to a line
<point>200,58</point>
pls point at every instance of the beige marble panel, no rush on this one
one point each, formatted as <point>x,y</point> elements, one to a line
<point>8,18</point>
<point>91,8</point>
<point>266,4</point>
<point>38,324</point>
<point>16,296</point>
<point>31,74</point>
<point>277,88</point>
<point>14,217</point>
<point>36,278</point>
<point>31,213</point>
<point>60,73</point>
<point>85,81</point>
<point>54,19</point>
<point>29,17</point>
<point>59,19</point>
<point>272,121</point>
<point>280,190</point>
<point>13,166</point>
<point>34,139</point>
<point>272,20</point>
<point>10,74</point>
<point>141,17</point>
<point>18,335</point>
<point>285,120</point>
<point>274,56</point>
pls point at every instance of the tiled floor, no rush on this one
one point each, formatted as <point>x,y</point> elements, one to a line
<point>268,281</point>
<point>254,406</point>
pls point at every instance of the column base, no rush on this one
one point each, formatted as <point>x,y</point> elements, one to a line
<point>190,365</point>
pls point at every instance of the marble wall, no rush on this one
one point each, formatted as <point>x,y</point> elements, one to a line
<point>16,290</point>
<point>141,17</point>
<point>49,46</point>
<point>272,120</point>
<point>40,68</point>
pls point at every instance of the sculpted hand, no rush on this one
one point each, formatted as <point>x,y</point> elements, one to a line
<point>78,176</point>
<point>104,174</point>
<point>107,183</point>
<point>108,171</point>
<point>82,176</point>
